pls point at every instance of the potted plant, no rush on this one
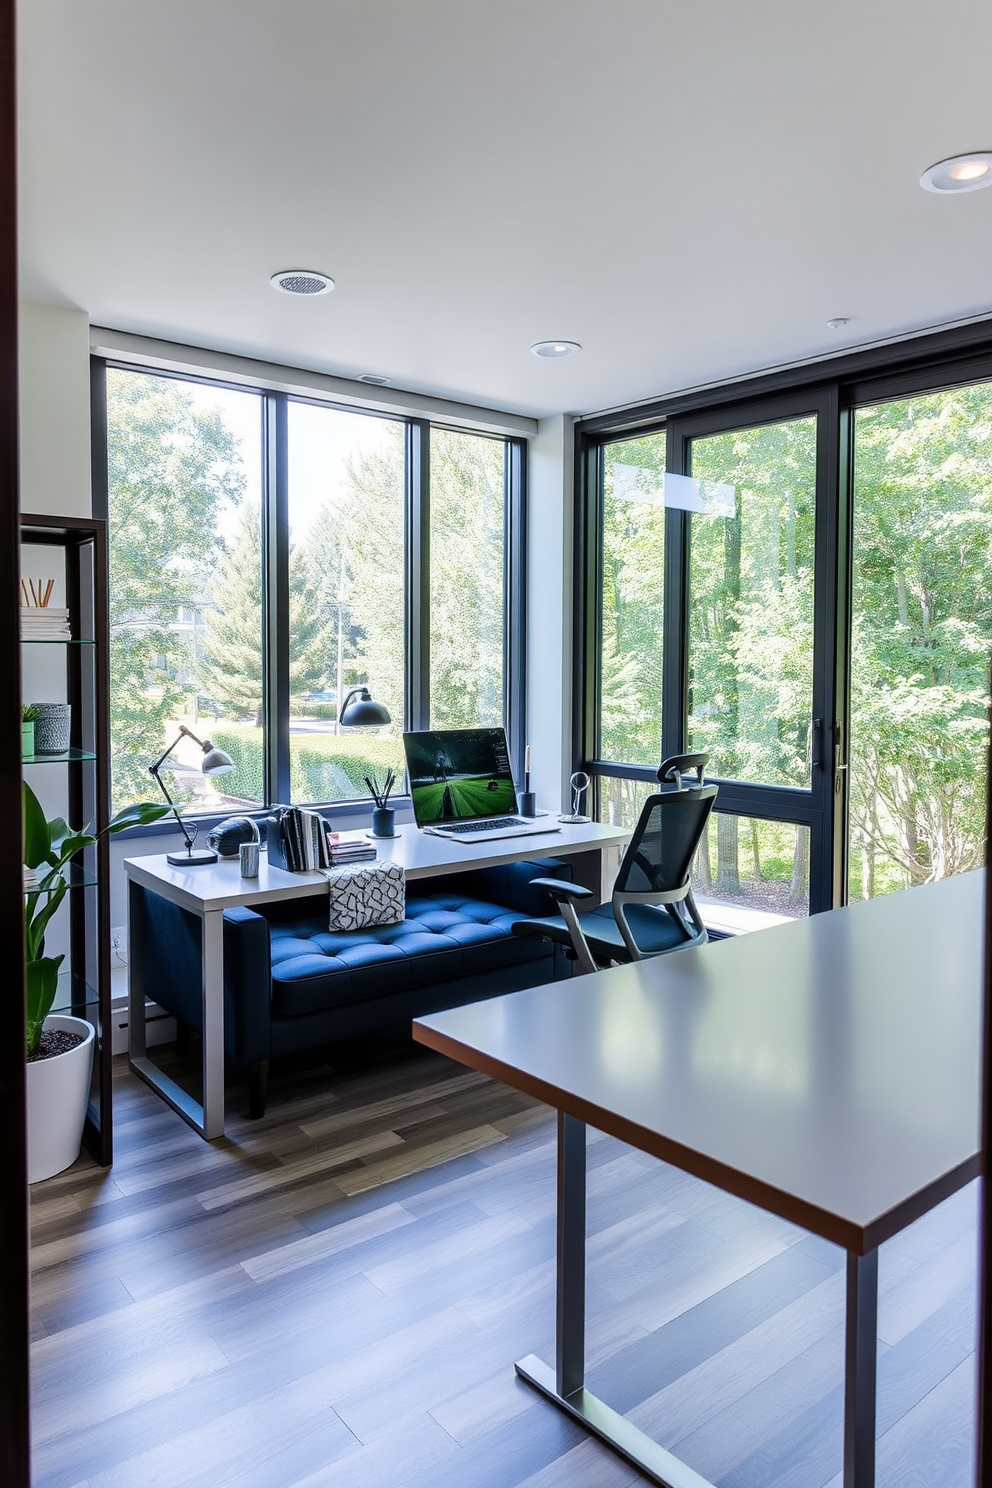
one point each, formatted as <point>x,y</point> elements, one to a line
<point>29,714</point>
<point>59,1047</point>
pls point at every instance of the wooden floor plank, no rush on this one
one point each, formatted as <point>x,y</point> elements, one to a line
<point>333,1297</point>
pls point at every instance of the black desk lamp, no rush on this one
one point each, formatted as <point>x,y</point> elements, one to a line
<point>363,712</point>
<point>215,762</point>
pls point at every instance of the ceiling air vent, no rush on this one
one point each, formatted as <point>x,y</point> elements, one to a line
<point>301,282</point>
<point>374,379</point>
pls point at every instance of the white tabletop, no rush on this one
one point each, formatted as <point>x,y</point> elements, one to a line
<point>827,1070</point>
<point>220,885</point>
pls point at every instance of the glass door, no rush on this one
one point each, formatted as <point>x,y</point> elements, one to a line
<point>920,639</point>
<point>757,674</point>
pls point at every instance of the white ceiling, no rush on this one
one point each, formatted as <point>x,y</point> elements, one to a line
<point>690,190</point>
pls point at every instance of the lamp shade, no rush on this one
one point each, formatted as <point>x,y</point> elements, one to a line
<point>359,711</point>
<point>215,761</point>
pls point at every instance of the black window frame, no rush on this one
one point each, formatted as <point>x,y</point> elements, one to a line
<point>834,388</point>
<point>274,405</point>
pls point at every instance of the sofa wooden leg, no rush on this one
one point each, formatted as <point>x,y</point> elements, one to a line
<point>258,1088</point>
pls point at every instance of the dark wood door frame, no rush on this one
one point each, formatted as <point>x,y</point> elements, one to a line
<point>15,1464</point>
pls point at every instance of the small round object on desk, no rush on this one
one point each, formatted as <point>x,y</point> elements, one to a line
<point>383,821</point>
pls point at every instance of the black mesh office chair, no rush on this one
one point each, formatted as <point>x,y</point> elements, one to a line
<point>652,910</point>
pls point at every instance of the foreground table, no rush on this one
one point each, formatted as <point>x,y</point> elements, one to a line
<point>827,1071</point>
<point>207,891</point>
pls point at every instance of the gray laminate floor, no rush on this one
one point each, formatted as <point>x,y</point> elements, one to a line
<point>334,1297</point>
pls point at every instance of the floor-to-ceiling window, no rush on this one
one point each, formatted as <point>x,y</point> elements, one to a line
<point>346,624</point>
<point>270,553</point>
<point>799,586</point>
<point>184,477</point>
<point>920,639</point>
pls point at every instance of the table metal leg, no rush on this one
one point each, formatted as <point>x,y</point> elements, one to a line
<point>860,1370</point>
<point>213,1024</point>
<point>208,1118</point>
<point>570,1353</point>
<point>564,1384</point>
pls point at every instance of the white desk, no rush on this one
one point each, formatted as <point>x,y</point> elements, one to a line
<point>209,890</point>
<point>827,1071</point>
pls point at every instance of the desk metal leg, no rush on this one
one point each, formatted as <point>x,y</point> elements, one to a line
<point>213,1024</point>
<point>208,1118</point>
<point>564,1384</point>
<point>860,1370</point>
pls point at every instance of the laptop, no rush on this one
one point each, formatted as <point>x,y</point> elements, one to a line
<point>462,786</point>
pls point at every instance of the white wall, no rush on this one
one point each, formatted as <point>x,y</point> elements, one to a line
<point>55,410</point>
<point>55,479</point>
<point>549,610</point>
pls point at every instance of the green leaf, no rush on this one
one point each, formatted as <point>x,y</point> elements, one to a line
<point>37,836</point>
<point>72,844</point>
<point>58,830</point>
<point>141,814</point>
<point>41,983</point>
<point>37,915</point>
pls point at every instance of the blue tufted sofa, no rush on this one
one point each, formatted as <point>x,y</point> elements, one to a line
<point>290,983</point>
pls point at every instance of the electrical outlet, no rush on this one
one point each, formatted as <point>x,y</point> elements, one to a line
<point>118,942</point>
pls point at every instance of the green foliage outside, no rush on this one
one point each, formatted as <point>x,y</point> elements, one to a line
<point>466,598</point>
<point>921,638</point>
<point>317,761</point>
<point>633,600</point>
<point>922,633</point>
<point>172,467</point>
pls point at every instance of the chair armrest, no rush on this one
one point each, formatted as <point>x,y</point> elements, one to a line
<point>247,985</point>
<point>511,884</point>
<point>559,889</point>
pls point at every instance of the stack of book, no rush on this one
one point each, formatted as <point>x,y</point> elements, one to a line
<point>41,621</point>
<point>309,846</point>
<point>349,852</point>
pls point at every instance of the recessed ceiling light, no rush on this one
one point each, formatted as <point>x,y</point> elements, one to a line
<point>555,348</point>
<point>838,322</point>
<point>959,173</point>
<point>301,282</point>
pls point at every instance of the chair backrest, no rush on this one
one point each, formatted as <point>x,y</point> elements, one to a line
<point>672,769</point>
<point>659,857</point>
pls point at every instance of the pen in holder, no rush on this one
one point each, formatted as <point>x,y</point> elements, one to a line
<point>527,802</point>
<point>383,816</point>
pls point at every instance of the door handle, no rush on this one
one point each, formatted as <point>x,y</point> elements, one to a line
<point>840,763</point>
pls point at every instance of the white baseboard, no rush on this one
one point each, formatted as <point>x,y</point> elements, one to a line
<point>160,1026</point>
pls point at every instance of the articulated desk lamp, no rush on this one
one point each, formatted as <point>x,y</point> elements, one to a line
<point>215,762</point>
<point>363,712</point>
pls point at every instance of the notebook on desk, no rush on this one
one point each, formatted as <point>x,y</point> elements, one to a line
<point>462,786</point>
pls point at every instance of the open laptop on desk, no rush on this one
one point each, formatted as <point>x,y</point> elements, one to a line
<point>462,785</point>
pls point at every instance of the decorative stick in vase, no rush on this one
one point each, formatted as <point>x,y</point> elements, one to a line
<point>528,805</point>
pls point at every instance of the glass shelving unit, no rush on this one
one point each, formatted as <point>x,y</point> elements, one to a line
<point>84,984</point>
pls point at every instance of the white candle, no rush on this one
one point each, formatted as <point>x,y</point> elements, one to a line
<point>527,760</point>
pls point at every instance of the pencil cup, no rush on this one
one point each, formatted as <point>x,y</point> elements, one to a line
<point>383,821</point>
<point>528,803</point>
<point>248,854</point>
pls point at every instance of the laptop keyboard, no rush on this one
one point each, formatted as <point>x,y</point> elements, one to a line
<point>497,823</point>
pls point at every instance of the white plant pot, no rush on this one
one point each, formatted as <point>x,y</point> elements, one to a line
<point>58,1092</point>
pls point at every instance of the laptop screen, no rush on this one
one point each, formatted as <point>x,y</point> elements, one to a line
<point>459,775</point>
